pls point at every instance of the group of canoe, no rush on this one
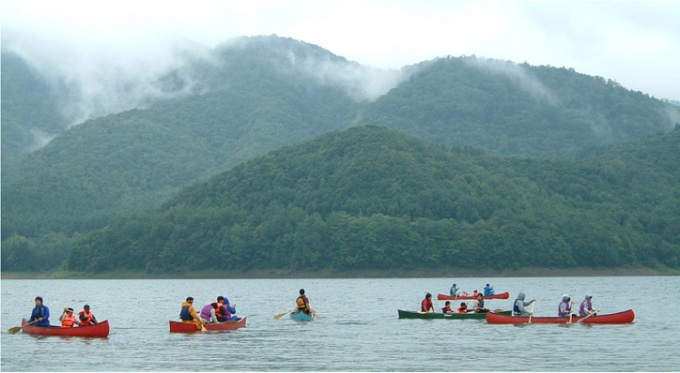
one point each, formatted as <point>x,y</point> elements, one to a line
<point>215,316</point>
<point>220,315</point>
<point>518,314</point>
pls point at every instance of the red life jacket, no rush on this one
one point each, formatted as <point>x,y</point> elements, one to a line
<point>68,320</point>
<point>219,309</point>
<point>462,310</point>
<point>85,317</point>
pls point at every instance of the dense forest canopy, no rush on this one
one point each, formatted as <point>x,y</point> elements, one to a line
<point>250,96</point>
<point>374,198</point>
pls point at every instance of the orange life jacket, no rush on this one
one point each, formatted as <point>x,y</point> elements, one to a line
<point>301,304</point>
<point>68,320</point>
<point>462,310</point>
<point>474,294</point>
<point>85,317</point>
<point>219,310</point>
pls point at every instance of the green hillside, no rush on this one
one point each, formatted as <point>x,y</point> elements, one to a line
<point>250,96</point>
<point>374,198</point>
<point>134,160</point>
<point>30,111</point>
<point>518,109</point>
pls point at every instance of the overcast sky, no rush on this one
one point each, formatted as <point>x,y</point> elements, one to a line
<point>636,43</point>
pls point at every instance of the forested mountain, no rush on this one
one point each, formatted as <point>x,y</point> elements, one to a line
<point>518,109</point>
<point>250,96</point>
<point>370,197</point>
<point>134,160</point>
<point>30,108</point>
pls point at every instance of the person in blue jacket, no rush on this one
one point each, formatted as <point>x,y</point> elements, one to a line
<point>488,290</point>
<point>40,314</point>
<point>229,311</point>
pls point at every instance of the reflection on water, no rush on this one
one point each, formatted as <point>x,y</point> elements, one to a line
<point>359,330</point>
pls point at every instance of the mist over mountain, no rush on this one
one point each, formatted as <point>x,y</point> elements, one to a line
<point>518,109</point>
<point>156,128</point>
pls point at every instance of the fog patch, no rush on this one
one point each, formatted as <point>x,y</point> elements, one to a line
<point>39,139</point>
<point>91,82</point>
<point>517,74</point>
<point>673,114</point>
<point>362,83</point>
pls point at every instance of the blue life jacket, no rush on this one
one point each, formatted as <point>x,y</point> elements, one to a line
<point>184,314</point>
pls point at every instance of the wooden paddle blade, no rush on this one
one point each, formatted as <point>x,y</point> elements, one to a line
<point>282,314</point>
<point>316,316</point>
<point>14,330</point>
<point>498,310</point>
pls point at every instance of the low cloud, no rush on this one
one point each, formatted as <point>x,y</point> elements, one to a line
<point>90,83</point>
<point>363,83</point>
<point>517,74</point>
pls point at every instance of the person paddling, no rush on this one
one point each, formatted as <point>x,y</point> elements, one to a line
<point>564,308</point>
<point>586,308</point>
<point>426,305</point>
<point>479,304</point>
<point>188,313</point>
<point>488,290</point>
<point>40,313</point>
<point>518,306</point>
<point>454,290</point>
<point>86,317</point>
<point>302,303</point>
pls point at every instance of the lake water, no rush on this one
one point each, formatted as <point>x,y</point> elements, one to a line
<point>359,331</point>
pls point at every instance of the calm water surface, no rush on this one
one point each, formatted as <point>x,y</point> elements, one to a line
<point>359,331</point>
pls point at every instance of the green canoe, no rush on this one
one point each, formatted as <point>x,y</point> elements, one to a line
<point>450,316</point>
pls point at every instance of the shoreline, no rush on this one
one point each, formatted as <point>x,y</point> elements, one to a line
<point>327,274</point>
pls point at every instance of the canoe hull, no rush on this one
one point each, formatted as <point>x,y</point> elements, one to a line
<point>301,316</point>
<point>100,330</point>
<point>625,317</point>
<point>505,295</point>
<point>452,316</point>
<point>182,327</point>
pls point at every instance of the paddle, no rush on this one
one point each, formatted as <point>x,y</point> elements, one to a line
<point>16,329</point>
<point>591,314</point>
<point>571,312</point>
<point>282,314</point>
<point>531,313</point>
<point>498,310</point>
<point>316,315</point>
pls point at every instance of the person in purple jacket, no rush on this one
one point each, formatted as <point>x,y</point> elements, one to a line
<point>586,306</point>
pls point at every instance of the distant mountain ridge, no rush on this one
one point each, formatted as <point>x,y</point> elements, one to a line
<point>250,96</point>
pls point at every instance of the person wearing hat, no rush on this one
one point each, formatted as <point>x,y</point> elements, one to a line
<point>564,309</point>
<point>228,310</point>
<point>86,317</point>
<point>519,304</point>
<point>40,316</point>
<point>67,318</point>
<point>586,306</point>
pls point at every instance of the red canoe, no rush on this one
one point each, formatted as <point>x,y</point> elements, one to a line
<point>100,330</point>
<point>625,317</point>
<point>183,327</point>
<point>505,295</point>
